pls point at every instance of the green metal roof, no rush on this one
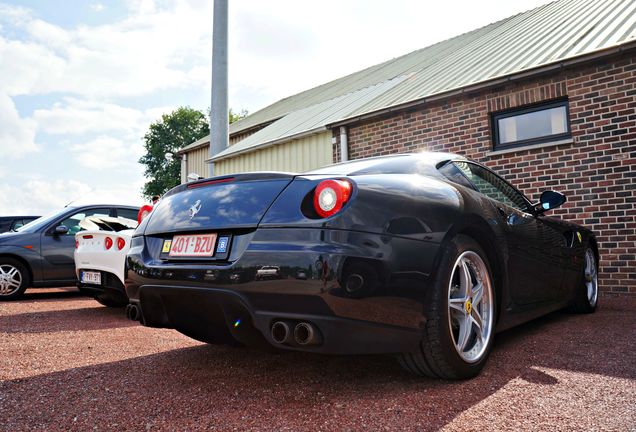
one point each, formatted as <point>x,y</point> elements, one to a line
<point>547,35</point>
<point>198,143</point>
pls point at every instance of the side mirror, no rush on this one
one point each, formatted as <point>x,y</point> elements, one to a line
<point>549,200</point>
<point>60,230</point>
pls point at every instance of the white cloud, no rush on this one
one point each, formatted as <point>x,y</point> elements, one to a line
<point>17,135</point>
<point>48,34</point>
<point>97,7</point>
<point>107,153</point>
<point>150,50</point>
<point>75,116</point>
<point>28,67</point>
<point>40,196</point>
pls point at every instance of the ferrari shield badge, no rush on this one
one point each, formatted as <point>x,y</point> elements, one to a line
<point>578,235</point>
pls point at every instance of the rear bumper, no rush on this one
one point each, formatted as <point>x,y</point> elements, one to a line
<point>219,314</point>
<point>205,300</point>
<point>111,285</point>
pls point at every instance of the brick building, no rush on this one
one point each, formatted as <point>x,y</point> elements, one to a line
<point>546,98</point>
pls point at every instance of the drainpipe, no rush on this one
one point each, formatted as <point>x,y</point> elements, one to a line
<point>184,167</point>
<point>344,147</point>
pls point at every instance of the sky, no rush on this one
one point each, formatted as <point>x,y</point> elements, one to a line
<point>82,80</point>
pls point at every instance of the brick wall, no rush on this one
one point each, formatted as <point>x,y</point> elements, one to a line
<point>597,170</point>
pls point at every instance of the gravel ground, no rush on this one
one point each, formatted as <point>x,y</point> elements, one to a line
<point>67,363</point>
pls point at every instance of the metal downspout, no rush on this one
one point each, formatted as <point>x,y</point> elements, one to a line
<point>344,145</point>
<point>184,168</point>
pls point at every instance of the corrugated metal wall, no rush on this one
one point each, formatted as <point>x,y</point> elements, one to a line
<point>297,155</point>
<point>196,162</point>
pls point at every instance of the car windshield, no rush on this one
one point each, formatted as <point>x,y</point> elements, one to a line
<point>40,222</point>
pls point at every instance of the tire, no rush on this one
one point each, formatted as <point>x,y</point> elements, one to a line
<point>14,279</point>
<point>451,346</point>
<point>586,292</point>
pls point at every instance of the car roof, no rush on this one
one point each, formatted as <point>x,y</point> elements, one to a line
<point>429,160</point>
<point>77,207</point>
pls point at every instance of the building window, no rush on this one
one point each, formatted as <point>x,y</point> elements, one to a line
<point>535,124</point>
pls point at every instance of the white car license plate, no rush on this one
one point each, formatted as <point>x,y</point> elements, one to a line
<point>193,245</point>
<point>91,277</point>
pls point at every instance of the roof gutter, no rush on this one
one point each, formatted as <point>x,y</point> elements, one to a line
<point>268,144</point>
<point>484,85</point>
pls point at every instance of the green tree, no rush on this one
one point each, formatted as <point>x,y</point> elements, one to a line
<point>237,116</point>
<point>176,130</point>
<point>173,132</point>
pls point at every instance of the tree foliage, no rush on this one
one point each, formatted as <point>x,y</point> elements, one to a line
<point>176,130</point>
<point>237,116</point>
<point>173,132</point>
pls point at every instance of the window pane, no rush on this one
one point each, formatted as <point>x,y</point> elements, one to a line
<point>72,222</point>
<point>19,223</point>
<point>493,186</point>
<point>127,214</point>
<point>451,172</point>
<point>530,125</point>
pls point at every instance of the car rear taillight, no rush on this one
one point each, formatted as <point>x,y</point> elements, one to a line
<point>121,243</point>
<point>108,243</point>
<point>330,196</point>
<point>76,244</point>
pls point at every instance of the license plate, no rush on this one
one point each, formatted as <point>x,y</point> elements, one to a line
<point>91,277</point>
<point>193,245</point>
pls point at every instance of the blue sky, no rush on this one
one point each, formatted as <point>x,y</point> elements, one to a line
<point>81,80</point>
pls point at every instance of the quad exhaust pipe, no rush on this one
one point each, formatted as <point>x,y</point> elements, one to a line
<point>281,332</point>
<point>302,333</point>
<point>133,312</point>
<point>306,334</point>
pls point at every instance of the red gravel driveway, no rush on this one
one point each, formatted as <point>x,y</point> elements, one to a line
<point>67,363</point>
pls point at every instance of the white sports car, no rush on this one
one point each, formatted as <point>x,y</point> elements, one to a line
<point>100,258</point>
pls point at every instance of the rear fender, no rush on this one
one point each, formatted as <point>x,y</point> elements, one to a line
<point>410,206</point>
<point>495,247</point>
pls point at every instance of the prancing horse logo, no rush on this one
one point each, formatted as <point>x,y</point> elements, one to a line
<point>195,209</point>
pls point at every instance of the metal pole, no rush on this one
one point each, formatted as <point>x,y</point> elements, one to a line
<point>219,133</point>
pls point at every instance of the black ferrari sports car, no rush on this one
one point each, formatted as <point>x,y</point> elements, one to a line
<point>421,255</point>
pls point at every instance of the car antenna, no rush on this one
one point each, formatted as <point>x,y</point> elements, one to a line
<point>79,197</point>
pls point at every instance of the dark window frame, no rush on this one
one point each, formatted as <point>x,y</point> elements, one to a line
<point>526,109</point>
<point>529,206</point>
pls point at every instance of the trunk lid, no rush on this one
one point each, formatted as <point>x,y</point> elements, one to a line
<point>218,203</point>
